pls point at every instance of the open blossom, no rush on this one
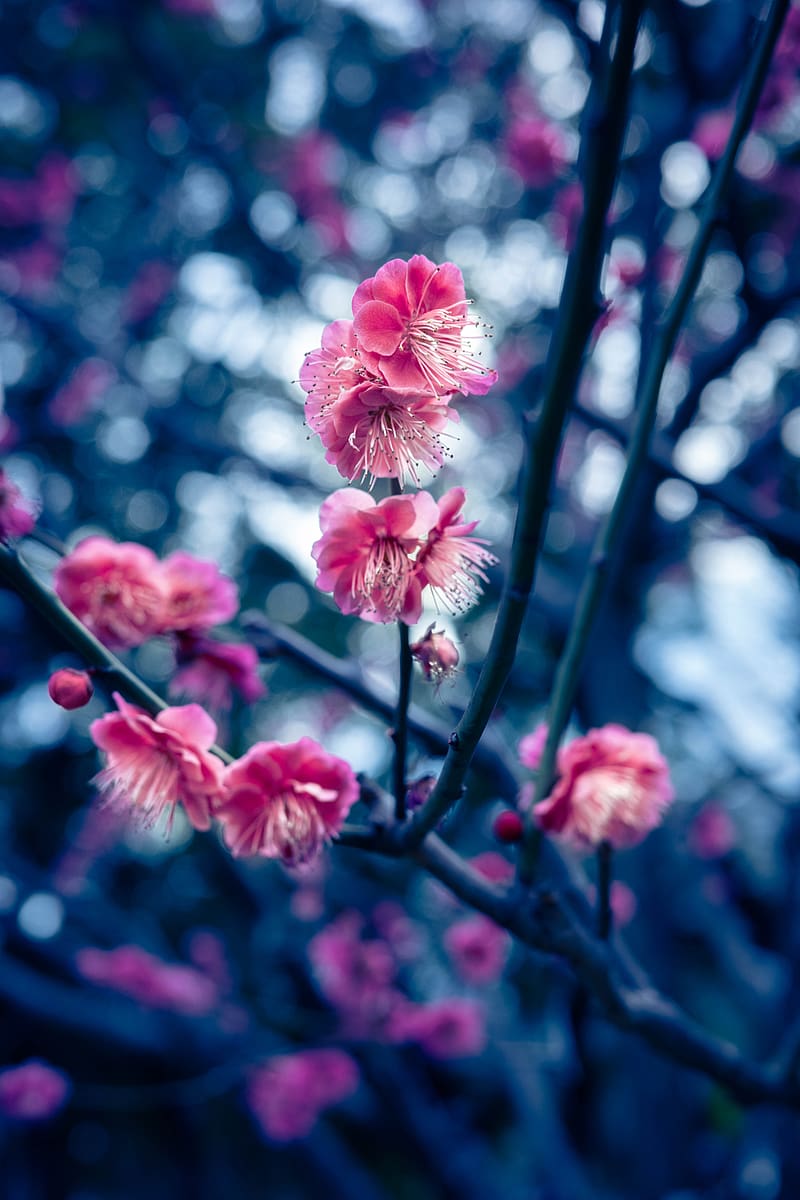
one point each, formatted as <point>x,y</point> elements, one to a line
<point>412,326</point>
<point>287,1093</point>
<point>451,561</point>
<point>114,588</point>
<point>16,515</point>
<point>153,764</point>
<point>386,433</point>
<point>285,801</point>
<point>331,370</point>
<point>478,949</point>
<point>197,594</point>
<point>613,786</point>
<point>365,553</point>
<point>148,979</point>
<point>212,671</point>
<point>32,1091</point>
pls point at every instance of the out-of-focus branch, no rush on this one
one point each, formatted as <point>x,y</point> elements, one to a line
<point>651,375</point>
<point>606,116</point>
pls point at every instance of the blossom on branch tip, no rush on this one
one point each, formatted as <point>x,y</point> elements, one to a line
<point>285,801</point>
<point>154,764</point>
<point>412,326</point>
<point>613,786</point>
<point>115,588</point>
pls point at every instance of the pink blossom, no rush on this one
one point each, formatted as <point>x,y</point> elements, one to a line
<point>149,980</point>
<point>355,974</point>
<point>411,321</point>
<point>712,833</point>
<point>451,561</point>
<point>329,371</point>
<point>478,948</point>
<point>70,688</point>
<point>82,391</point>
<point>712,131</point>
<point>531,747</point>
<point>285,801</point>
<point>537,149</point>
<point>114,588</point>
<point>451,1028</point>
<point>622,902</point>
<point>436,655</point>
<point>287,1093</point>
<point>151,283</point>
<point>212,671</point>
<point>493,866</point>
<point>365,553</point>
<point>566,214</point>
<point>197,595</point>
<point>613,786</point>
<point>32,1091</point>
<point>16,514</point>
<point>153,764</point>
<point>386,433</point>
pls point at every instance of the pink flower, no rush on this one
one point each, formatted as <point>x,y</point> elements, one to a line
<point>613,786</point>
<point>70,688</point>
<point>450,560</point>
<point>331,370</point>
<point>285,801</point>
<point>622,902</point>
<point>287,1093</point>
<point>436,655</point>
<point>355,974</point>
<point>493,866</point>
<point>452,1028</point>
<point>154,764</point>
<point>531,747</point>
<point>16,514</point>
<point>712,131</point>
<point>712,833</point>
<point>386,433</point>
<point>32,1091</point>
<point>212,671</point>
<point>365,553</point>
<point>149,980</point>
<point>537,150</point>
<point>114,588</point>
<point>410,320</point>
<point>197,594</point>
<point>478,948</point>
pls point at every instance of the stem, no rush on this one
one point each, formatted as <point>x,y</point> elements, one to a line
<point>606,119</point>
<point>651,373</point>
<point>401,723</point>
<point>604,875</point>
<point>18,576</point>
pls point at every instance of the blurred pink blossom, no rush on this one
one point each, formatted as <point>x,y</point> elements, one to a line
<point>285,801</point>
<point>81,392</point>
<point>197,594</point>
<point>16,513</point>
<point>478,948</point>
<point>32,1091</point>
<point>355,974</point>
<point>537,149</point>
<point>613,786</point>
<point>212,671</point>
<point>150,980</point>
<point>153,764</point>
<point>288,1093</point>
<point>622,901</point>
<point>115,588</point>
<point>493,866</point>
<point>531,747</point>
<point>450,1028</point>
<point>712,833</point>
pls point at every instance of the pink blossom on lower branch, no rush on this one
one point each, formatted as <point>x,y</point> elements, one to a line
<point>285,801</point>
<point>288,1093</point>
<point>613,786</point>
<point>365,554</point>
<point>32,1091</point>
<point>154,764</point>
<point>115,588</point>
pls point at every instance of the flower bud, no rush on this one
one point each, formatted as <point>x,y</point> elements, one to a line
<point>436,654</point>
<point>507,826</point>
<point>70,688</point>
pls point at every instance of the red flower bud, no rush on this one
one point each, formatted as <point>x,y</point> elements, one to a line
<point>436,654</point>
<point>70,688</point>
<point>507,826</point>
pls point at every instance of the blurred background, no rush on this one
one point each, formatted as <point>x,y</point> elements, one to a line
<point>189,191</point>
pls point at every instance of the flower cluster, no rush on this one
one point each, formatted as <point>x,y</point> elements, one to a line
<point>287,1093</point>
<point>125,595</point>
<point>148,979</point>
<point>277,801</point>
<point>380,386</point>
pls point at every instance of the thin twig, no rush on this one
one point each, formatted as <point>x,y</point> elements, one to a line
<point>651,374</point>
<point>607,116</point>
<point>400,732</point>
